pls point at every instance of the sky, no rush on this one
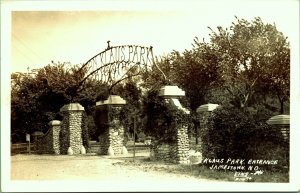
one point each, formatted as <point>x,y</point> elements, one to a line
<point>40,34</point>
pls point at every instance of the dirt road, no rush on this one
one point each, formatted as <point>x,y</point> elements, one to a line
<point>103,170</point>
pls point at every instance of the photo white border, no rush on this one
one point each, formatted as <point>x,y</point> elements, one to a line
<point>8,185</point>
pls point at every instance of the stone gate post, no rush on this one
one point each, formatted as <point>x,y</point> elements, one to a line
<point>281,122</point>
<point>177,152</point>
<point>71,130</point>
<point>204,112</point>
<point>108,123</point>
<point>55,125</point>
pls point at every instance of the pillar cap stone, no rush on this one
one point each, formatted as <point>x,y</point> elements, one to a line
<point>54,122</point>
<point>279,120</point>
<point>72,107</point>
<point>37,133</point>
<point>207,107</point>
<point>171,92</point>
<point>112,100</point>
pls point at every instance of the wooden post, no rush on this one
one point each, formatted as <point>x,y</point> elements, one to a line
<point>134,128</point>
<point>29,148</point>
<point>28,140</point>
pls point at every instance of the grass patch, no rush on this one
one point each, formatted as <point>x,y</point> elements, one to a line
<point>278,177</point>
<point>201,171</point>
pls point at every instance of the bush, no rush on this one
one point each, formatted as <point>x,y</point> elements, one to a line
<point>161,119</point>
<point>236,133</point>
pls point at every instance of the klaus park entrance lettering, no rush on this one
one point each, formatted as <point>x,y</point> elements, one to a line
<point>115,62</point>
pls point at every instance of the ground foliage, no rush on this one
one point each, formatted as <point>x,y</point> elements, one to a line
<point>235,133</point>
<point>199,171</point>
<point>162,118</point>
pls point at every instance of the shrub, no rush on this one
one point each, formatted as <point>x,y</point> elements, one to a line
<point>236,133</point>
<point>161,119</point>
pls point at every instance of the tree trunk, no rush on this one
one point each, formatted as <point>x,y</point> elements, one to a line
<point>281,106</point>
<point>196,124</point>
<point>196,133</point>
<point>281,100</point>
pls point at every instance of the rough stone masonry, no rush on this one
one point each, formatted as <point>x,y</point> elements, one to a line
<point>107,120</point>
<point>71,130</point>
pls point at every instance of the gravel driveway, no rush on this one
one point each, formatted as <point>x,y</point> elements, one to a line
<point>101,169</point>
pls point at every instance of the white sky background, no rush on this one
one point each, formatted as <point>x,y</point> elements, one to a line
<point>38,37</point>
<point>33,39</point>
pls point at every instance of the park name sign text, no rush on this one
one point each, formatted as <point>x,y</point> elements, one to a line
<point>112,63</point>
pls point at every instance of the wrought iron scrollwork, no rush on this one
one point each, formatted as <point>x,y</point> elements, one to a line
<point>114,63</point>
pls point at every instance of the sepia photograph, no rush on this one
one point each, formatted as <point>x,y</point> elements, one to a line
<point>101,96</point>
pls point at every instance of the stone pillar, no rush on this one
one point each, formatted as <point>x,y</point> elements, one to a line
<point>182,146</point>
<point>281,122</point>
<point>71,130</point>
<point>55,125</point>
<point>204,112</point>
<point>107,120</point>
<point>178,152</point>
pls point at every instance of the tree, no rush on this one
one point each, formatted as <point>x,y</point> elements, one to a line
<point>25,106</point>
<point>161,118</point>
<point>252,55</point>
<point>37,99</point>
<point>196,71</point>
<point>132,111</point>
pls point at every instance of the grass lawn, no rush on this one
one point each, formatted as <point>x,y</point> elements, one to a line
<point>202,171</point>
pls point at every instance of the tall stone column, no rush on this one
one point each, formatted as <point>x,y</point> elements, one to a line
<point>71,130</point>
<point>182,146</point>
<point>204,111</point>
<point>111,131</point>
<point>177,152</point>
<point>55,126</point>
<point>281,122</point>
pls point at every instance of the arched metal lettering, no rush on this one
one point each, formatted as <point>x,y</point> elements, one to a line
<point>114,63</point>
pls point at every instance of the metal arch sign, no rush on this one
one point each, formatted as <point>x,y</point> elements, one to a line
<point>128,54</point>
<point>114,62</point>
